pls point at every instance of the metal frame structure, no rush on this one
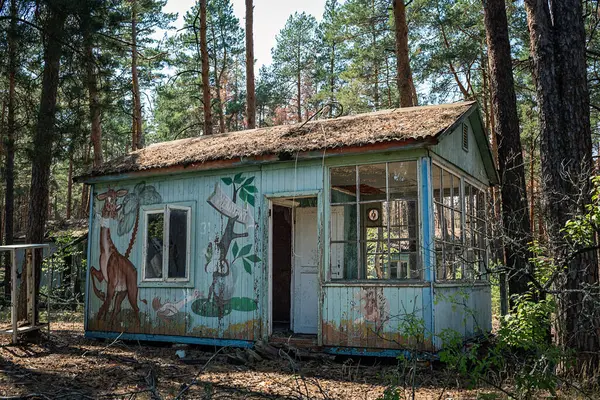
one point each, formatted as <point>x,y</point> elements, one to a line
<point>32,324</point>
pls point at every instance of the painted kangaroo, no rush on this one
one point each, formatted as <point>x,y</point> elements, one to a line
<point>115,268</point>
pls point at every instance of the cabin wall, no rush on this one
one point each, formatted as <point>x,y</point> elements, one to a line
<point>234,305</point>
<point>450,148</point>
<point>465,311</point>
<point>375,316</point>
<point>359,314</point>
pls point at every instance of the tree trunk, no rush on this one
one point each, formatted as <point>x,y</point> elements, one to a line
<point>404,74</point>
<point>557,39</point>
<point>137,136</point>
<point>70,187</point>
<point>94,96</point>
<point>250,90</point>
<point>208,124</point>
<point>9,162</point>
<point>45,136</point>
<point>515,217</point>
<point>299,99</point>
<point>217,78</point>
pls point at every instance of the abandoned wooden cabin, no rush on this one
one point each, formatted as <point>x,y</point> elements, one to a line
<point>355,232</point>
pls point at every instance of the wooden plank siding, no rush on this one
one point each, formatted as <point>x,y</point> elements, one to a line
<point>373,315</point>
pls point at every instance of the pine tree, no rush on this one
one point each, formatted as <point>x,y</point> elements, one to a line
<point>294,55</point>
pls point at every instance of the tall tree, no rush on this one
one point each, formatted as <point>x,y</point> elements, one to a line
<point>294,53</point>
<point>137,138</point>
<point>515,216</point>
<point>330,65</point>
<point>557,39</point>
<point>250,90</point>
<point>225,38</point>
<point>45,134</point>
<point>403,73</point>
<point>9,144</point>
<point>89,28</point>
<point>208,124</point>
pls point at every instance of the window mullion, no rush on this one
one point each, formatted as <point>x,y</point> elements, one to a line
<point>165,243</point>
<point>463,226</point>
<point>359,255</point>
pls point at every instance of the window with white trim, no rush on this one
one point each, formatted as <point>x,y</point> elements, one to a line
<point>460,226</point>
<point>166,252</point>
<point>374,222</point>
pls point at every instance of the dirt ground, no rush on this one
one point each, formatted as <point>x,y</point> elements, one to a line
<point>65,365</point>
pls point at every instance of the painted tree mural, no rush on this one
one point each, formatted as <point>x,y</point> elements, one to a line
<point>224,257</point>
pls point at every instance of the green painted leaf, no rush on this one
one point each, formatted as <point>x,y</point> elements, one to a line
<point>247,266</point>
<point>238,178</point>
<point>206,308</point>
<point>253,258</point>
<point>235,249</point>
<point>245,250</point>
<point>249,181</point>
<point>228,181</point>
<point>245,304</point>
<point>243,195</point>
<point>250,189</point>
<point>250,199</point>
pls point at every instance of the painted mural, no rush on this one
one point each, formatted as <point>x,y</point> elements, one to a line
<point>115,268</point>
<point>373,307</point>
<point>224,259</point>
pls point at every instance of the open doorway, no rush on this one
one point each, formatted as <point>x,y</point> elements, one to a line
<point>282,267</point>
<point>294,266</point>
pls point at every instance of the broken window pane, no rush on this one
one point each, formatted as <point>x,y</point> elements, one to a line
<point>178,231</point>
<point>154,245</point>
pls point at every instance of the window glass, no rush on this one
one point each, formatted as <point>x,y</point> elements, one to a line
<point>372,182</point>
<point>178,231</point>
<point>343,185</point>
<point>154,245</point>
<point>402,180</point>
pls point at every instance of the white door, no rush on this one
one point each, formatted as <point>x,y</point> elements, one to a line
<point>305,296</point>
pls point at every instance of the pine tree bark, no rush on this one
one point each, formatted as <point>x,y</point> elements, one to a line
<point>45,134</point>
<point>9,162</point>
<point>70,187</point>
<point>557,40</point>
<point>137,135</point>
<point>403,72</point>
<point>208,123</point>
<point>93,92</point>
<point>250,89</point>
<point>515,217</point>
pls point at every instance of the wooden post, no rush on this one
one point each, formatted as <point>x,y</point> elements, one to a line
<point>13,295</point>
<point>31,288</point>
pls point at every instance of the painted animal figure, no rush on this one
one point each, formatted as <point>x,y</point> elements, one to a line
<point>116,269</point>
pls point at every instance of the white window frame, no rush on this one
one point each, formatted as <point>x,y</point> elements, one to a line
<point>166,210</point>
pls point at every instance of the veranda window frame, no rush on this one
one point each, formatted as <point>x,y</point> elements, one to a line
<point>464,179</point>
<point>361,242</point>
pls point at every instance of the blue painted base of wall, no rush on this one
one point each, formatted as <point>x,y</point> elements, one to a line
<point>357,351</point>
<point>170,339</point>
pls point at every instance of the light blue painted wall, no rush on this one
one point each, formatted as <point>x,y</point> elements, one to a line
<point>347,316</point>
<point>207,226</point>
<point>451,149</point>
<point>466,311</point>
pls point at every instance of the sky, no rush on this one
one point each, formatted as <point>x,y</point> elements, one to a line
<point>269,18</point>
